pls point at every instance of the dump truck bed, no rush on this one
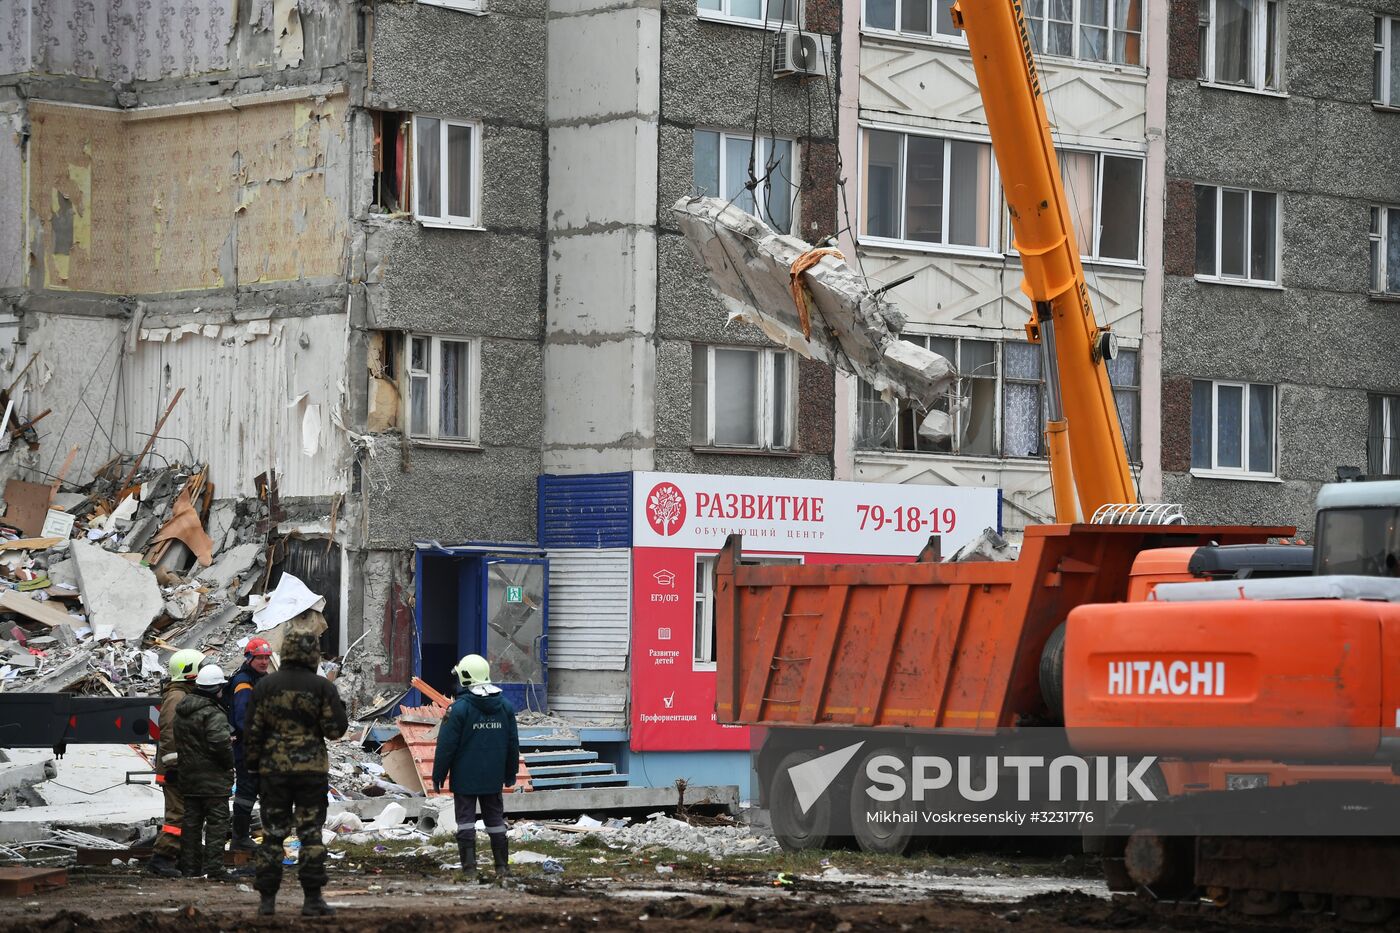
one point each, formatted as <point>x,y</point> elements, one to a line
<point>927,645</point>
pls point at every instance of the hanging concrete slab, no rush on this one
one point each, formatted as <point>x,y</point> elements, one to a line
<point>847,325</point>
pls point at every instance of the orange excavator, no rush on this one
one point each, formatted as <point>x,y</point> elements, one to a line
<point>1262,677</point>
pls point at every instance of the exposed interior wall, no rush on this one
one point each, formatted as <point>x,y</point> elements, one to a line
<point>146,202</point>
<point>125,41</point>
<point>11,197</point>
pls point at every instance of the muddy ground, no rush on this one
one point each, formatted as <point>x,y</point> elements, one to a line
<point>391,892</point>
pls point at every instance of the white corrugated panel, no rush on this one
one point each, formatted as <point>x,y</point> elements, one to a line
<point>240,412</point>
<point>590,599</point>
<point>590,709</point>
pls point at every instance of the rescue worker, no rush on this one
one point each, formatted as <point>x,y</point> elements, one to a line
<point>183,666</point>
<point>293,712</point>
<point>257,658</point>
<point>206,774</point>
<point>478,747</point>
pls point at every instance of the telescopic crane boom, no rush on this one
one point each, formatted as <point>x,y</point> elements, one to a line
<point>1082,433</point>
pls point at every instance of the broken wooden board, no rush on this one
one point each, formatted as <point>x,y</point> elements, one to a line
<point>22,882</point>
<point>28,544</point>
<point>41,612</point>
<point>27,505</point>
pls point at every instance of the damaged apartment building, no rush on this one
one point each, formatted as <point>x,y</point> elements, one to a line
<point>407,258</point>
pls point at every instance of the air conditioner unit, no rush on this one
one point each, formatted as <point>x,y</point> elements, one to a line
<point>801,53</point>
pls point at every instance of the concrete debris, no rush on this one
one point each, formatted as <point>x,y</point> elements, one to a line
<point>848,325</point>
<point>122,598</point>
<point>988,546</point>
<point>720,840</point>
<point>76,612</point>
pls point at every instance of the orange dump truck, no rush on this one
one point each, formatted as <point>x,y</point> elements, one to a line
<point>929,648</point>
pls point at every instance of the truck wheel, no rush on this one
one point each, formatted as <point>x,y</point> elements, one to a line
<point>1052,673</point>
<point>795,830</point>
<point>892,838</point>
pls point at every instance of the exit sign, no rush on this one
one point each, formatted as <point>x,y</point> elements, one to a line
<point>515,594</point>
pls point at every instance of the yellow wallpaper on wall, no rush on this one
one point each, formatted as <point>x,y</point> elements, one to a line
<point>134,203</point>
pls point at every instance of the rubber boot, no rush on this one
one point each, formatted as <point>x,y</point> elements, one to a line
<point>315,905</point>
<point>164,866</point>
<point>242,822</point>
<point>500,854</point>
<point>268,905</point>
<point>467,851</point>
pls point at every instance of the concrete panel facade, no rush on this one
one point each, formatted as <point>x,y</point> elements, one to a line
<point>1319,337</point>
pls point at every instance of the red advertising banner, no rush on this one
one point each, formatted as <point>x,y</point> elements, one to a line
<point>679,523</point>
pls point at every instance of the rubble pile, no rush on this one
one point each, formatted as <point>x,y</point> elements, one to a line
<point>99,585</point>
<point>716,839</point>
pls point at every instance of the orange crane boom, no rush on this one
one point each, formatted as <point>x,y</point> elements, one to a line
<point>1083,436</point>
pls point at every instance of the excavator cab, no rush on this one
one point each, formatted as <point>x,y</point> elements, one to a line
<point>1358,529</point>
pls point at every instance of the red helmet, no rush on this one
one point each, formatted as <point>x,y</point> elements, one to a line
<point>257,648</point>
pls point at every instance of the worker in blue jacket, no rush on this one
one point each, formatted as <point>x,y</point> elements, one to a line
<point>238,696</point>
<point>479,748</point>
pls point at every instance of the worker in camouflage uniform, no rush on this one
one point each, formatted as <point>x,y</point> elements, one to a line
<point>294,712</point>
<point>206,775</point>
<point>184,665</point>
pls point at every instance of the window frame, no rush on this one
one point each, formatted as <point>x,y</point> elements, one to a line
<point>760,193</point>
<point>435,437</point>
<point>1258,82</point>
<point>1100,155</point>
<point>1384,55</point>
<point>763,400</point>
<point>722,15</point>
<point>1382,215</point>
<point>706,599</point>
<point>1215,470</point>
<point>454,221</point>
<point>1077,26</point>
<point>1217,276</point>
<point>957,38</point>
<point>1389,459</point>
<point>994,206</point>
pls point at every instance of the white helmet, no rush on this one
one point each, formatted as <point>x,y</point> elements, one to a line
<point>210,675</point>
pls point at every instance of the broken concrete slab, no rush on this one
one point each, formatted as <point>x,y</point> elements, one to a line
<point>222,517</point>
<point>234,564</point>
<point>849,326</point>
<point>122,597</point>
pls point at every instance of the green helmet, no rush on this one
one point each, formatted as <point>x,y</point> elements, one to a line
<point>184,664</point>
<point>472,670</point>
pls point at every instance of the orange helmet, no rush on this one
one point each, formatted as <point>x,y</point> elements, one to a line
<point>257,648</point>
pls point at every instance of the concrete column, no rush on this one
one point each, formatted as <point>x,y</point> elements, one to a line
<point>843,455</point>
<point>1154,200</point>
<point>604,73</point>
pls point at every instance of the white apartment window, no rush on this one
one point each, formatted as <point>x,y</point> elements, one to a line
<point>742,397</point>
<point>722,166</point>
<point>1237,234</point>
<point>703,655</point>
<point>1233,427</point>
<point>1385,250</point>
<point>894,425</point>
<point>927,189</point>
<point>1387,61</point>
<point>1383,436</point>
<point>466,6</point>
<point>1105,198</point>
<point>1090,30</point>
<point>922,18</point>
<point>442,387</point>
<point>758,12</point>
<point>1240,43</point>
<point>1123,376</point>
<point>446,171</point>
